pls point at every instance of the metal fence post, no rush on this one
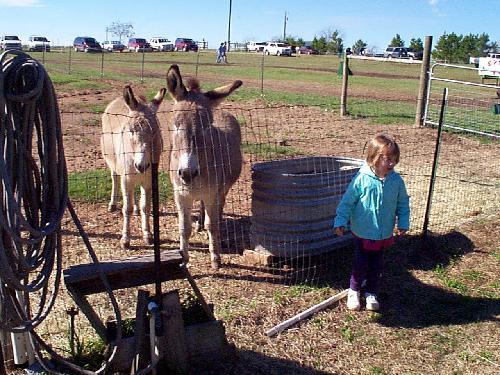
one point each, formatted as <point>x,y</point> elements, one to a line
<point>262,74</point>
<point>424,82</point>
<point>155,200</point>
<point>197,62</point>
<point>102,63</point>
<point>435,163</point>
<point>69,61</point>
<point>142,66</point>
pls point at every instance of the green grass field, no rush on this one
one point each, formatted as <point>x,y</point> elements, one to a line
<point>392,87</point>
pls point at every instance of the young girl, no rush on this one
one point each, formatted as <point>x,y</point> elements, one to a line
<point>375,198</point>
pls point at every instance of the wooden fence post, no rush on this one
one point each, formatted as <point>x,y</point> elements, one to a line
<point>345,76</point>
<point>424,82</point>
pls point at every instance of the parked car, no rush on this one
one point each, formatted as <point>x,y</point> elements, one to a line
<point>10,42</point>
<point>395,52</point>
<point>256,46</point>
<point>278,49</point>
<point>306,50</point>
<point>161,44</point>
<point>414,55</point>
<point>38,43</point>
<point>139,45</point>
<point>113,45</point>
<point>185,44</point>
<point>86,44</point>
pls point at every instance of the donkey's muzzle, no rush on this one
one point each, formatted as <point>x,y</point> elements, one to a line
<point>141,167</point>
<point>187,175</point>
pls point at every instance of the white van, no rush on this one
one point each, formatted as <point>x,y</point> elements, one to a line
<point>38,43</point>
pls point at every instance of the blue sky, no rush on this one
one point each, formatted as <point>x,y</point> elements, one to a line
<point>376,22</point>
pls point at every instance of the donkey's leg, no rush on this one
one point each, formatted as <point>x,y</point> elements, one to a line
<point>200,223</point>
<point>127,186</point>
<point>136,210</point>
<point>145,211</point>
<point>184,207</point>
<point>114,192</point>
<point>212,224</point>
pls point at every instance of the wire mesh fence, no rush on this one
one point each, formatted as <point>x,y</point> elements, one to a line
<point>466,190</point>
<point>383,89</point>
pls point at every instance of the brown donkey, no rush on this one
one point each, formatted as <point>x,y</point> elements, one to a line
<point>205,158</point>
<point>130,141</point>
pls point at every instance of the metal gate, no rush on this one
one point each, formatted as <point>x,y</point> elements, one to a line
<point>466,188</point>
<point>472,107</point>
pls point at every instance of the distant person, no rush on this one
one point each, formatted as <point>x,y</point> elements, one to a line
<point>220,53</point>
<point>375,201</point>
<point>224,53</point>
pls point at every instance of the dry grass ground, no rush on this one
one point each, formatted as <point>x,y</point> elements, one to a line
<point>440,300</point>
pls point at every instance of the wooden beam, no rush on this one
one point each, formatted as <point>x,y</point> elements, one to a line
<point>310,311</point>
<point>123,273</point>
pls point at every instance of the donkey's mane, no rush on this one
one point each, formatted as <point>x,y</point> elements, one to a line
<point>192,84</point>
<point>142,99</point>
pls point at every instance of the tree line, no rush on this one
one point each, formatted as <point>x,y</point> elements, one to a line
<point>452,48</point>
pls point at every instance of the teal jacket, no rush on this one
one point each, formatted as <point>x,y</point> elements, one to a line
<point>371,205</point>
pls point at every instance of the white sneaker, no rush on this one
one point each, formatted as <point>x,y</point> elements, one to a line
<point>353,300</point>
<point>371,302</point>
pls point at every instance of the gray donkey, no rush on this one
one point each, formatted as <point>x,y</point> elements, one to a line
<point>205,157</point>
<point>130,141</point>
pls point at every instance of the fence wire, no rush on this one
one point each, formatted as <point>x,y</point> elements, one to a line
<point>466,190</point>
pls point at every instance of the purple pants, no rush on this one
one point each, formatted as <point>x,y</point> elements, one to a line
<point>367,265</point>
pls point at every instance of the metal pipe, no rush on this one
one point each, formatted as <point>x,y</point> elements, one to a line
<point>156,231</point>
<point>153,317</point>
<point>229,26</point>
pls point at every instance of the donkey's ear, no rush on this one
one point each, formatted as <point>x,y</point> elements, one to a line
<point>159,97</point>
<point>217,95</point>
<point>174,83</point>
<point>130,100</point>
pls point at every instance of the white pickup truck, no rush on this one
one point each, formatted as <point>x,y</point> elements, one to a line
<point>278,49</point>
<point>255,46</point>
<point>161,44</point>
<point>10,42</point>
<point>38,43</point>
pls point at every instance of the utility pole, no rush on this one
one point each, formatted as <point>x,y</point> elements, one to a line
<point>284,28</point>
<point>229,26</point>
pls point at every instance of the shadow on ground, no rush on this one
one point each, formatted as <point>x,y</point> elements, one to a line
<point>408,302</point>
<point>246,362</point>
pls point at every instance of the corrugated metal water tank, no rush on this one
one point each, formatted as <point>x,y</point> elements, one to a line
<point>294,203</point>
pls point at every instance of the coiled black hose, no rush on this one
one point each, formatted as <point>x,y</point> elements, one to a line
<point>34,196</point>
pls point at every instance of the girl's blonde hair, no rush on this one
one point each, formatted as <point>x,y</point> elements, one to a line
<point>381,144</point>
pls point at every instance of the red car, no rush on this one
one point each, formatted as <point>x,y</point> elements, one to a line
<point>139,45</point>
<point>185,44</point>
<point>306,50</point>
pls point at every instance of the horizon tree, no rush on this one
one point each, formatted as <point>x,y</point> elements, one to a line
<point>397,41</point>
<point>356,47</point>
<point>121,29</point>
<point>416,44</point>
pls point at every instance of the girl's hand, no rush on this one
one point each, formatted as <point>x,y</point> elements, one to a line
<point>339,231</point>
<point>401,232</point>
